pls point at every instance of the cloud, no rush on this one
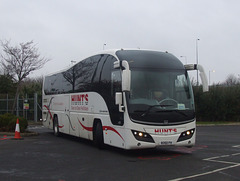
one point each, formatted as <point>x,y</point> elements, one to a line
<point>73,29</point>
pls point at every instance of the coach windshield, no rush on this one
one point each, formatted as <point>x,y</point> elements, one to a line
<point>161,92</point>
<point>160,97</point>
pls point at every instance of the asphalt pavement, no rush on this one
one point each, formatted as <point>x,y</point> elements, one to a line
<point>216,156</point>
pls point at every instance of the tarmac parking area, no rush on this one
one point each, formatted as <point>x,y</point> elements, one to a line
<point>216,156</point>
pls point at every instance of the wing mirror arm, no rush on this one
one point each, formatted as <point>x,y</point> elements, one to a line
<point>202,74</point>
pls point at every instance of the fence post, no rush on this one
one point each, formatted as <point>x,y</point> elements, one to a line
<point>35,107</point>
<point>17,113</point>
<point>7,103</point>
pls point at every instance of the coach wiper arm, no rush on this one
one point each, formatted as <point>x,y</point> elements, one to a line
<point>150,107</point>
<point>176,111</point>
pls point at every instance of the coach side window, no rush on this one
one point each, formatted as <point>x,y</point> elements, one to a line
<point>53,84</point>
<point>116,82</point>
<point>98,70</point>
<point>84,72</point>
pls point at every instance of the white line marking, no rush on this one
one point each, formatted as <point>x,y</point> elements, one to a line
<point>216,157</point>
<point>212,159</point>
<point>235,154</point>
<point>233,163</point>
<point>206,173</point>
<point>236,146</point>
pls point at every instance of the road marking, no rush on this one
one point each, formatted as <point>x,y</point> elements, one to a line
<point>5,138</point>
<point>178,149</point>
<point>216,157</point>
<point>213,159</point>
<point>159,157</point>
<point>206,173</point>
<point>236,146</point>
<point>235,154</point>
<point>233,163</point>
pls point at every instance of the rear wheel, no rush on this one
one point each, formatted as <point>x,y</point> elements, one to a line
<point>98,136</point>
<point>55,126</point>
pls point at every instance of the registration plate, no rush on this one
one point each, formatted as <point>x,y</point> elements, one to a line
<point>166,142</point>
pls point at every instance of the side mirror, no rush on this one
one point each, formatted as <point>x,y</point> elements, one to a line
<point>203,78</point>
<point>126,76</point>
<point>202,73</point>
<point>118,98</point>
<point>118,101</point>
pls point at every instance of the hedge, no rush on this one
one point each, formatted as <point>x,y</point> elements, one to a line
<point>8,123</point>
<point>221,103</point>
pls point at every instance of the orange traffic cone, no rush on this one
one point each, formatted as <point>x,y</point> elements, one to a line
<point>17,131</point>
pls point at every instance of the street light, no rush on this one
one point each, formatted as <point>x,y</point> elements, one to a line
<point>209,75</point>
<point>73,62</point>
<point>197,56</point>
<point>185,58</point>
<point>104,45</point>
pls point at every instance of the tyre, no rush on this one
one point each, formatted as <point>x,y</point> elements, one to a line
<point>55,126</point>
<point>98,136</point>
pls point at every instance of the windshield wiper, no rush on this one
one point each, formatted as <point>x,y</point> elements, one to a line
<point>150,107</point>
<point>176,111</point>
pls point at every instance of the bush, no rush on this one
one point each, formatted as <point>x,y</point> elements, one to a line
<point>221,103</point>
<point>8,123</point>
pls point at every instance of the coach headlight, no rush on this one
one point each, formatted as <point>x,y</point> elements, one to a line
<point>186,135</point>
<point>142,136</point>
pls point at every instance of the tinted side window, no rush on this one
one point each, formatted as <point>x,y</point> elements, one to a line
<point>107,67</point>
<point>69,79</point>
<point>84,72</point>
<point>47,85</point>
<point>56,84</point>
<point>98,70</point>
<point>77,78</point>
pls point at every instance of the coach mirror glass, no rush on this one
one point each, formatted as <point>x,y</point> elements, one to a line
<point>126,76</point>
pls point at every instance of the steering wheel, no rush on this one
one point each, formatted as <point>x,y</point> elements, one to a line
<point>168,99</point>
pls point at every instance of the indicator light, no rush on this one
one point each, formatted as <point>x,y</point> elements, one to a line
<point>186,135</point>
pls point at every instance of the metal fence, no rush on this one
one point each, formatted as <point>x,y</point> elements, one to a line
<point>27,107</point>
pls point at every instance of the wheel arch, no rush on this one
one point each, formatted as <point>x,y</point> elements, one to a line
<point>95,121</point>
<point>55,117</point>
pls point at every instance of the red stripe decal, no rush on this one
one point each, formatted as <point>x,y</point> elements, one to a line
<point>49,112</point>
<point>104,127</point>
<point>60,126</point>
<point>87,128</point>
<point>112,129</point>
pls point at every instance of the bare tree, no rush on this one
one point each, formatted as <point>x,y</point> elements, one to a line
<point>231,80</point>
<point>19,61</point>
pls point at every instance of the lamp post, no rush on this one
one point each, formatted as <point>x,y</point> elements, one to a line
<point>209,75</point>
<point>104,45</point>
<point>185,58</point>
<point>197,57</point>
<point>73,62</point>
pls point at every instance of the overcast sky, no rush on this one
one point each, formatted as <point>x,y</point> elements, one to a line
<point>66,30</point>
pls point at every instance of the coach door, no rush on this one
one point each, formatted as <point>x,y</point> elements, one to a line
<point>65,116</point>
<point>110,83</point>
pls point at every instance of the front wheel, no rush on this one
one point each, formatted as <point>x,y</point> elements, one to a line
<point>98,136</point>
<point>56,127</point>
